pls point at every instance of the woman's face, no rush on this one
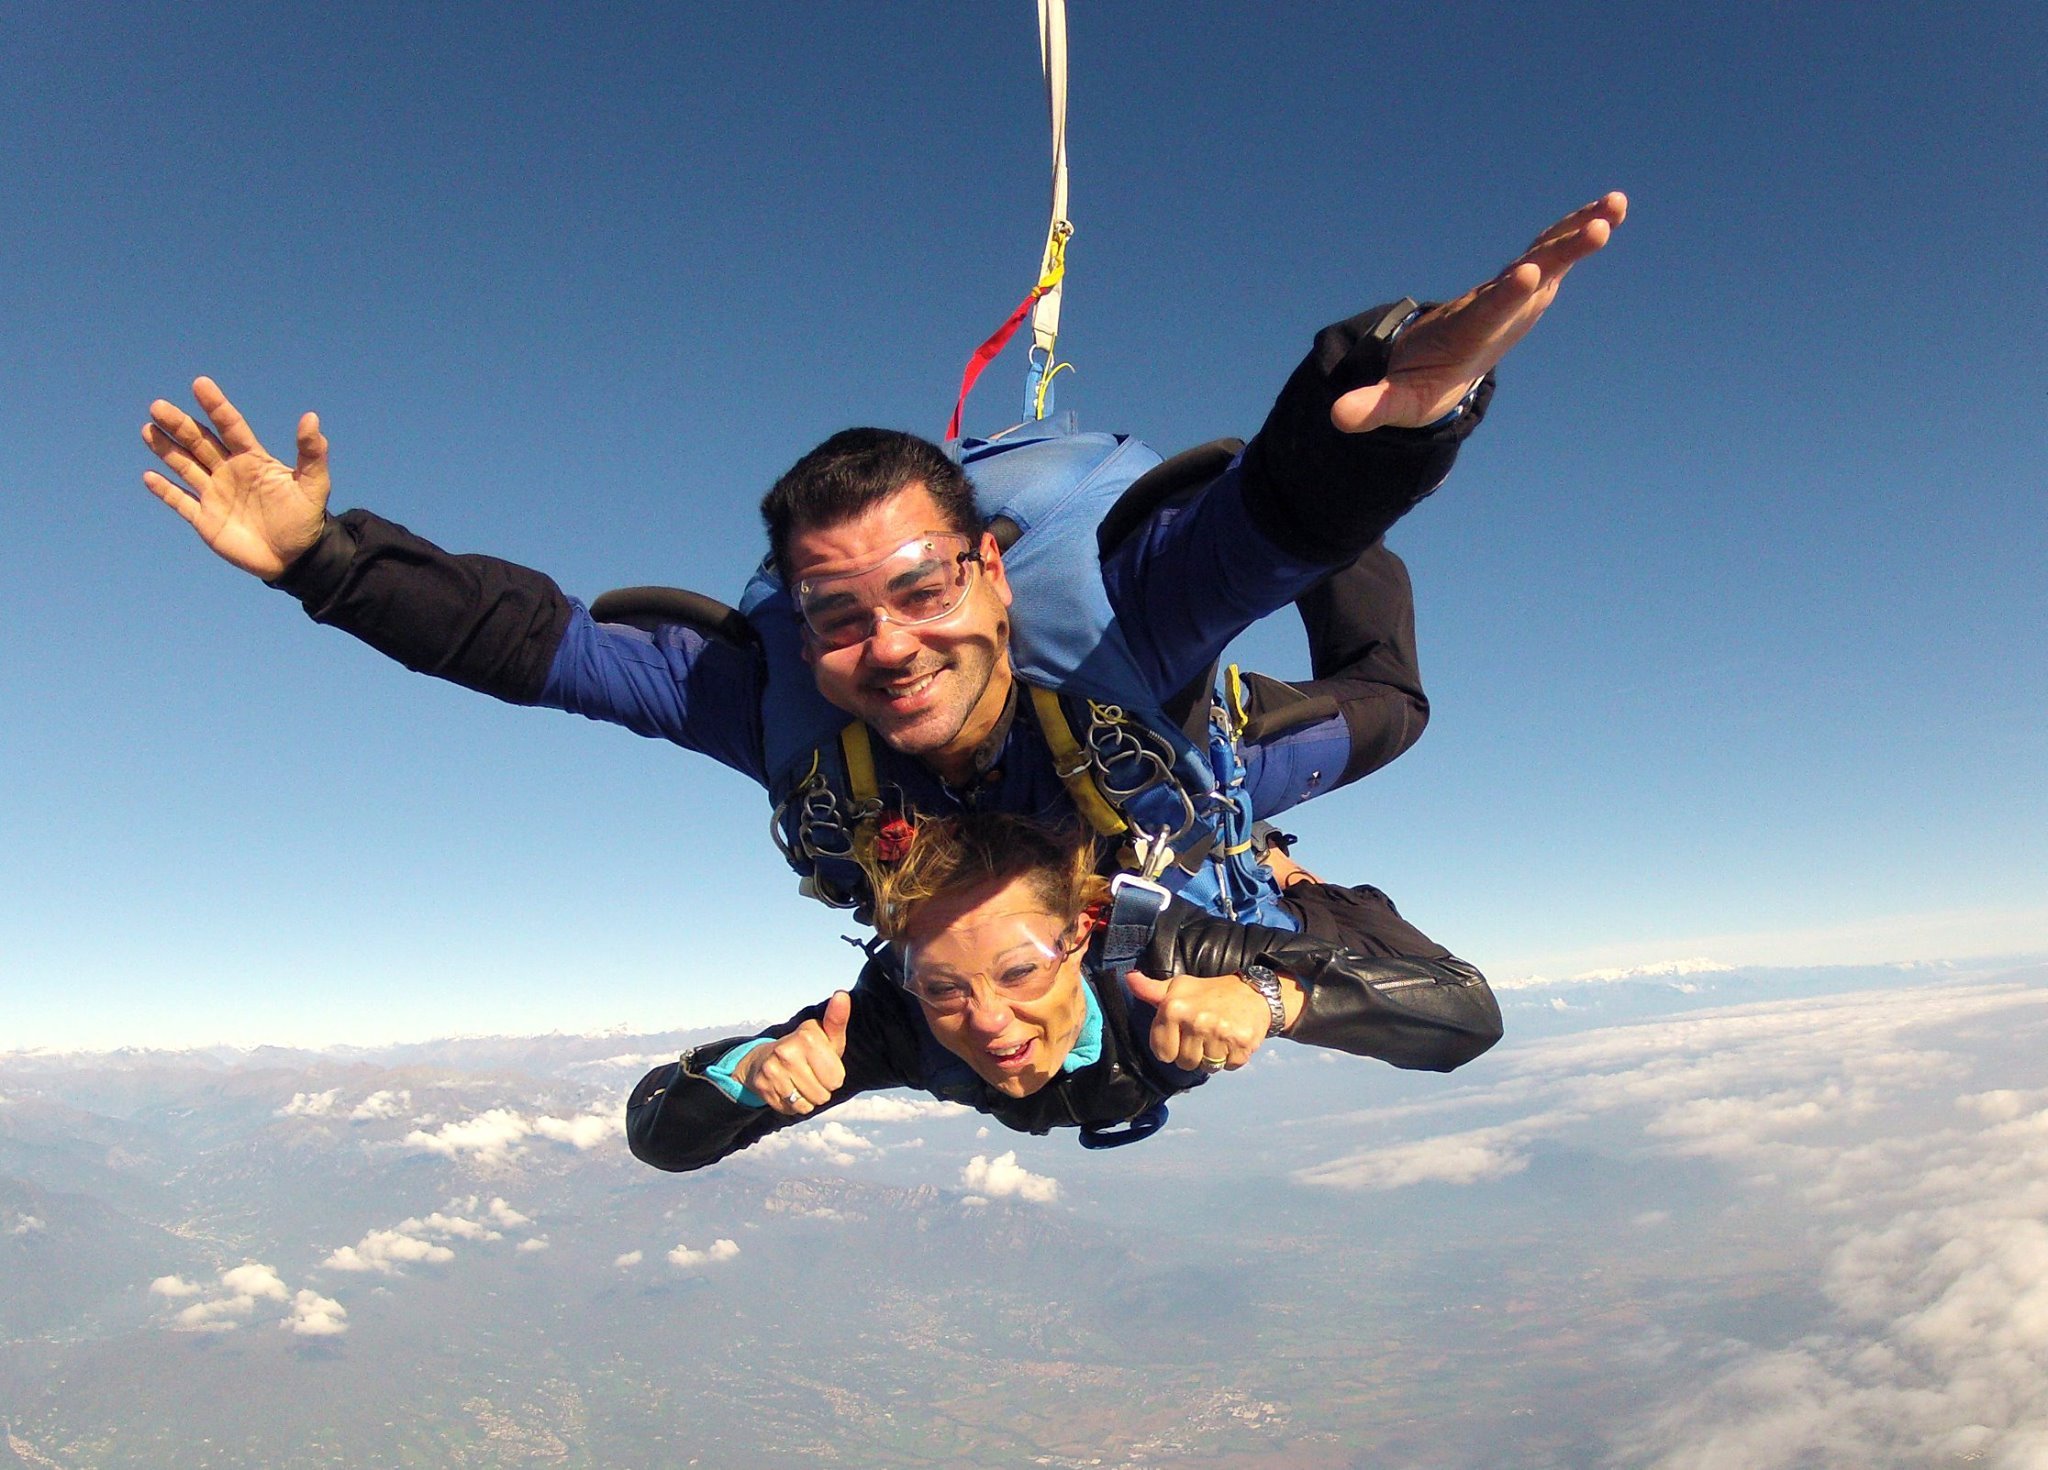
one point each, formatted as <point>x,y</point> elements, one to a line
<point>1000,981</point>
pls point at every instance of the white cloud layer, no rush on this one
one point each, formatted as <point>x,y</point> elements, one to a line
<point>887,1108</point>
<point>1003,1177</point>
<point>1925,1191</point>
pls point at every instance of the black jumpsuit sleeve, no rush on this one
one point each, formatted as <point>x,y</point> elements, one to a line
<point>486,624</point>
<point>1322,494</point>
<point>1376,986</point>
<point>677,1119</point>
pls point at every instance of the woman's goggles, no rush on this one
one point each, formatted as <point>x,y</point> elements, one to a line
<point>919,582</point>
<point>1027,964</point>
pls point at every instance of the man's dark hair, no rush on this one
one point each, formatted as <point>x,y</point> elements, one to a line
<point>856,469</point>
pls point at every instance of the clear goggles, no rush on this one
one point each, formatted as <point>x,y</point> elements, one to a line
<point>1026,965</point>
<point>920,581</point>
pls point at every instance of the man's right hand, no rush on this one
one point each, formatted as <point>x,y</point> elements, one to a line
<point>798,1073</point>
<point>249,507</point>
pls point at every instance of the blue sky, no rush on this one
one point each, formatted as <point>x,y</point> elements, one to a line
<point>1731,613</point>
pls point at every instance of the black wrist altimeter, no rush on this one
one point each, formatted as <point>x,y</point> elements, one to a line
<point>1262,979</point>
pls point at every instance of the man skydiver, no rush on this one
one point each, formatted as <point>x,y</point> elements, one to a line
<point>1367,426</point>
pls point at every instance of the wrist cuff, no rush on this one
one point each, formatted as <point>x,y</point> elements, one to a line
<point>318,571</point>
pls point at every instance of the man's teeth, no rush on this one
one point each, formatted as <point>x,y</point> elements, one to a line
<point>910,686</point>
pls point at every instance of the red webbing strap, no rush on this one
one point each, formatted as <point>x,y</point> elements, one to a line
<point>987,353</point>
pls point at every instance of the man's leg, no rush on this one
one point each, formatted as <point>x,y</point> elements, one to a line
<point>1360,623</point>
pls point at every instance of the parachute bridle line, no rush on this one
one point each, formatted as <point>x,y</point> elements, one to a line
<point>1042,304</point>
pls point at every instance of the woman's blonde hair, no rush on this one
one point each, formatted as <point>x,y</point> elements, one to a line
<point>948,854</point>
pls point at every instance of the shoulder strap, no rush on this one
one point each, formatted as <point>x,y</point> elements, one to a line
<point>1076,770</point>
<point>857,747</point>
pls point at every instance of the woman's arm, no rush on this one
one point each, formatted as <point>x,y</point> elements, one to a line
<point>690,1113</point>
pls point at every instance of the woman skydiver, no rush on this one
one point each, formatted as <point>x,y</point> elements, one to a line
<point>1001,989</point>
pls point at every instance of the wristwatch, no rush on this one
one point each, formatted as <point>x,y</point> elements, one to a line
<point>1262,979</point>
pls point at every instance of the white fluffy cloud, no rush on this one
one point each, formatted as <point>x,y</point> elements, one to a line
<point>253,1280</point>
<point>683,1258</point>
<point>416,1240</point>
<point>584,1131</point>
<point>386,1252</point>
<point>1003,1177</point>
<point>381,1105</point>
<point>310,1104</point>
<point>229,1303</point>
<point>27,1225</point>
<point>493,1138</point>
<point>828,1138</point>
<point>503,1214</point>
<point>532,1245</point>
<point>314,1315</point>
<point>629,1260</point>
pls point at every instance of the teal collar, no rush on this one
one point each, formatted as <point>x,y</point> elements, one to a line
<point>1088,1045</point>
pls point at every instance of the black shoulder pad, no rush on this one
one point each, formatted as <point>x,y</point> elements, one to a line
<point>648,608</point>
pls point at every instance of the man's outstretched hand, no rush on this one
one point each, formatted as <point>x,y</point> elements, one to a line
<point>251,508</point>
<point>1451,347</point>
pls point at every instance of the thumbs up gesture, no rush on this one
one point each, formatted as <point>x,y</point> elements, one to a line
<point>798,1073</point>
<point>1208,1023</point>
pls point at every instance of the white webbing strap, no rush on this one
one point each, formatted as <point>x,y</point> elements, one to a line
<point>1045,314</point>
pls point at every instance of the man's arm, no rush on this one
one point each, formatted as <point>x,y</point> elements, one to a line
<point>1358,436</point>
<point>487,624</point>
<point>1362,706</point>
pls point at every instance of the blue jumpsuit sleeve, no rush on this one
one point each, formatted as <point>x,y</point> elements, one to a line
<point>675,684</point>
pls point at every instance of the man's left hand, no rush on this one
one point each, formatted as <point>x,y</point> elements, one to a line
<point>1442,353</point>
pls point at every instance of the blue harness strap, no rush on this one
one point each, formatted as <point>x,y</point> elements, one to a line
<point>1135,906</point>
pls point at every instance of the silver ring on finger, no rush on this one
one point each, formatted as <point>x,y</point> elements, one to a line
<point>795,1096</point>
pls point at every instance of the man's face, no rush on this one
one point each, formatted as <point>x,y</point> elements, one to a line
<point>934,689</point>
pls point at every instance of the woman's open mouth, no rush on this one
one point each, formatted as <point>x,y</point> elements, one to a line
<point>1012,1058</point>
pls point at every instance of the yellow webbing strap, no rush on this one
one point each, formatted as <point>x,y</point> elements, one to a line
<point>861,785</point>
<point>1076,771</point>
<point>1234,710</point>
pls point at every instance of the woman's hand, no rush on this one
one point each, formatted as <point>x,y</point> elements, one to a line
<point>798,1073</point>
<point>1203,1022</point>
